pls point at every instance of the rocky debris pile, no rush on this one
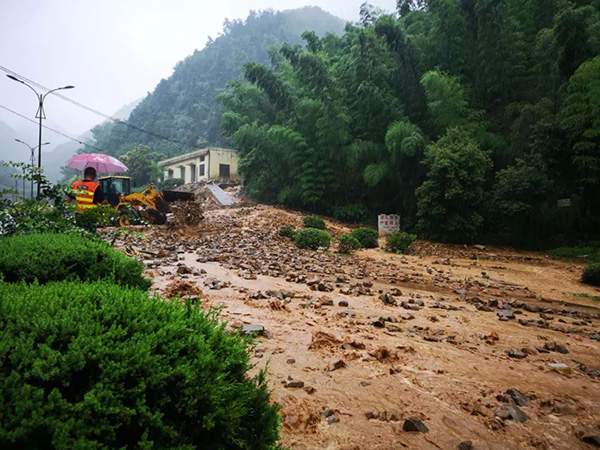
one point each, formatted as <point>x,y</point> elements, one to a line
<point>182,289</point>
<point>186,213</point>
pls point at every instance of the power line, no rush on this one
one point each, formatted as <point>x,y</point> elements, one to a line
<point>52,129</point>
<point>95,111</point>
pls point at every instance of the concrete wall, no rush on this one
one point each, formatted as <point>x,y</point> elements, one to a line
<point>201,167</point>
<point>221,156</point>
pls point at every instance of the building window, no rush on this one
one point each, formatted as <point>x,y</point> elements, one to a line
<point>170,174</point>
<point>182,172</point>
<point>202,158</point>
<point>223,170</point>
<point>202,172</point>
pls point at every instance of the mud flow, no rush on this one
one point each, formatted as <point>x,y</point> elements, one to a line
<point>450,347</point>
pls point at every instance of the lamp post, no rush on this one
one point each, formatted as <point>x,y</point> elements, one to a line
<point>39,115</point>
<point>32,149</point>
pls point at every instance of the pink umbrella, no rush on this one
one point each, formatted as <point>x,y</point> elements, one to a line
<point>102,163</point>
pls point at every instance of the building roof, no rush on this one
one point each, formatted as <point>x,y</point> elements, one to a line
<point>192,155</point>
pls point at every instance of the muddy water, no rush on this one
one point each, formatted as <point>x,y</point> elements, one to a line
<point>444,362</point>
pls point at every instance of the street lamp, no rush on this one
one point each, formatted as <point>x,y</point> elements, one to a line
<point>32,158</point>
<point>39,115</point>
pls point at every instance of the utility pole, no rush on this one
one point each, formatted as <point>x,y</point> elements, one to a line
<point>32,149</point>
<point>39,115</point>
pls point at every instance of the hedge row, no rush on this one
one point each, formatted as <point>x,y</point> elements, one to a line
<point>94,365</point>
<point>56,257</point>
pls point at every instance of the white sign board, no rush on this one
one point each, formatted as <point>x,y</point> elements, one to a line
<point>563,202</point>
<point>388,224</point>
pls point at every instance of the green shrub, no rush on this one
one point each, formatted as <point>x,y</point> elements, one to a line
<point>589,251</point>
<point>99,366</point>
<point>348,243</point>
<point>366,236</point>
<point>352,213</point>
<point>99,216</point>
<point>399,242</point>
<point>314,222</point>
<point>591,274</point>
<point>8,225</point>
<point>287,231</point>
<point>312,238</point>
<point>32,216</point>
<point>57,257</point>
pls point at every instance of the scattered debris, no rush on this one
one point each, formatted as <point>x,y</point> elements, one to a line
<point>414,425</point>
<point>511,412</point>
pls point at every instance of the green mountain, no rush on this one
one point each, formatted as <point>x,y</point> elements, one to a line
<point>184,108</point>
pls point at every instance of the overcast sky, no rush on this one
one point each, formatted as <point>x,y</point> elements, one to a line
<point>113,51</point>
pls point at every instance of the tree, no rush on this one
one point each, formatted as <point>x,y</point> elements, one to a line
<point>580,118</point>
<point>573,38</point>
<point>518,193</point>
<point>141,162</point>
<point>450,201</point>
<point>446,100</point>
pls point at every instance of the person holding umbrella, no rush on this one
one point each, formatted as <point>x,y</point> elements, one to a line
<point>88,191</point>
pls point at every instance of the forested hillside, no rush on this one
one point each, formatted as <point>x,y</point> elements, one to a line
<point>473,119</point>
<point>184,108</point>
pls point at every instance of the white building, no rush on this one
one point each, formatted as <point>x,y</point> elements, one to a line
<point>210,163</point>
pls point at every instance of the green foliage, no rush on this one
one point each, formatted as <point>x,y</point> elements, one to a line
<point>359,110</point>
<point>287,231</point>
<point>314,222</point>
<point>142,166</point>
<point>589,251</point>
<point>580,117</point>
<point>49,257</point>
<point>32,216</point>
<point>312,238</point>
<point>518,194</point>
<point>399,242</point>
<point>352,213</point>
<point>591,274</point>
<point>368,237</point>
<point>99,216</point>
<point>348,243</point>
<point>446,100</point>
<point>98,366</point>
<point>8,225</point>
<point>451,199</point>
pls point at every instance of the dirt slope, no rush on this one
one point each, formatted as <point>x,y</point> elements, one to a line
<point>492,346</point>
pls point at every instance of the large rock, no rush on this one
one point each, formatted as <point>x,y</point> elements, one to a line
<point>414,425</point>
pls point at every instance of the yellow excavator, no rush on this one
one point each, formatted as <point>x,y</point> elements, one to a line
<point>150,205</point>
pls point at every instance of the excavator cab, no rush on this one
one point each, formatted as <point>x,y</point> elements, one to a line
<point>115,188</point>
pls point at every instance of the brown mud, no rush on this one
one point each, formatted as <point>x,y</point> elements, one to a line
<point>488,345</point>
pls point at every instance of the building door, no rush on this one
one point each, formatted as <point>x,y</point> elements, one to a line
<point>193,173</point>
<point>223,170</point>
